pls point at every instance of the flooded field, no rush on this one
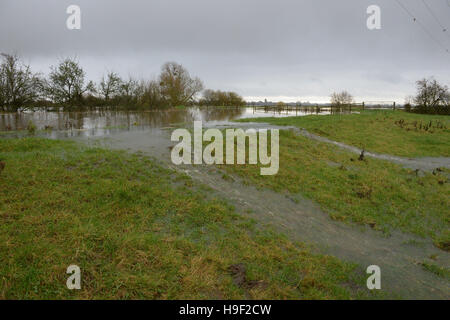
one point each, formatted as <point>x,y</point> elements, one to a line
<point>295,215</point>
<point>100,123</point>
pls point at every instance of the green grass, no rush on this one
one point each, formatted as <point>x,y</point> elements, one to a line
<point>373,192</point>
<point>439,271</point>
<point>138,230</point>
<point>391,132</point>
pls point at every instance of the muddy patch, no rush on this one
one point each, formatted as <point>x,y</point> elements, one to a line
<point>239,274</point>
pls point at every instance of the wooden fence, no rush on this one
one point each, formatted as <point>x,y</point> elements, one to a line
<point>286,108</point>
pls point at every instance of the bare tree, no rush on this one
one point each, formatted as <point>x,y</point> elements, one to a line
<point>233,99</point>
<point>177,86</point>
<point>431,94</point>
<point>409,100</point>
<point>19,87</point>
<point>447,100</point>
<point>130,90</point>
<point>209,97</point>
<point>110,86</point>
<point>66,82</point>
<point>152,96</point>
<point>341,98</point>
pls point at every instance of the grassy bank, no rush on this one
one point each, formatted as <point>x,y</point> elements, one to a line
<point>373,192</point>
<point>137,230</point>
<point>392,132</point>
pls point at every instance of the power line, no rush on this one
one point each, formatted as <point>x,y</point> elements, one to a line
<point>444,29</point>
<point>422,26</point>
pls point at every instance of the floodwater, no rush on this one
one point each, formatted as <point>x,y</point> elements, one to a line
<point>101,123</point>
<point>297,217</point>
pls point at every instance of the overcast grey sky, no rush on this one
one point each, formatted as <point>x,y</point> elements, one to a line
<point>276,49</point>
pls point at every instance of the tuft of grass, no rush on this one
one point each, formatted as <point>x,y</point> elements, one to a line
<point>439,271</point>
<point>140,231</point>
<point>391,132</point>
<point>31,127</point>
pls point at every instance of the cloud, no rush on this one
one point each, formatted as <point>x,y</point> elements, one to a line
<point>281,48</point>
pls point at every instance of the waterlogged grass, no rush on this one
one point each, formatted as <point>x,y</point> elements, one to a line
<point>373,192</point>
<point>137,230</point>
<point>439,271</point>
<point>392,132</point>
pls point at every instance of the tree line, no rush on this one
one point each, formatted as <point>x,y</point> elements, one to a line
<point>221,98</point>
<point>66,87</point>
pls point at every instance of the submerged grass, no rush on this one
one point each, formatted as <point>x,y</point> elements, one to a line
<point>137,231</point>
<point>433,268</point>
<point>373,192</point>
<point>391,132</point>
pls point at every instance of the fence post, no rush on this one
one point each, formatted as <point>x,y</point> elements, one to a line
<point>363,104</point>
<point>394,105</point>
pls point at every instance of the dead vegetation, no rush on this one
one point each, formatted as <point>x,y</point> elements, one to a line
<point>239,274</point>
<point>430,126</point>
